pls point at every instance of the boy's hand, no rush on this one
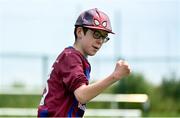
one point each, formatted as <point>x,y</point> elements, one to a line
<point>122,69</point>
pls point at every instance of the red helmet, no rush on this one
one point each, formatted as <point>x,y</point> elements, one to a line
<point>94,19</point>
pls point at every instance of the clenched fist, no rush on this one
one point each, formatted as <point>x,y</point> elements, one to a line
<point>122,69</point>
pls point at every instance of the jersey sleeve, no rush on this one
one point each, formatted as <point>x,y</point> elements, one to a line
<point>72,72</point>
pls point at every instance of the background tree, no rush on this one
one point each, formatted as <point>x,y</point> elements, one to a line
<point>134,83</point>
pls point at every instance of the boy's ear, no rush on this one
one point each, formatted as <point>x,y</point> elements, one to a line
<point>79,32</point>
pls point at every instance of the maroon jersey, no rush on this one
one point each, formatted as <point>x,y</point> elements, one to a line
<point>70,71</point>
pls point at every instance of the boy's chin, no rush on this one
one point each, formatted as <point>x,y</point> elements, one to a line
<point>91,54</point>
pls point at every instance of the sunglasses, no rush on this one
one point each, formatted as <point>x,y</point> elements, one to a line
<point>97,35</point>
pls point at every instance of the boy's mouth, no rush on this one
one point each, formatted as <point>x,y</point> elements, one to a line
<point>95,47</point>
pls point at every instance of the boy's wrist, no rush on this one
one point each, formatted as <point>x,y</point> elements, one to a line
<point>113,78</point>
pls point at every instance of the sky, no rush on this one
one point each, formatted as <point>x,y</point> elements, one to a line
<point>147,35</point>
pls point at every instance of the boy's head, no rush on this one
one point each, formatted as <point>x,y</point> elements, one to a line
<point>93,27</point>
<point>94,19</point>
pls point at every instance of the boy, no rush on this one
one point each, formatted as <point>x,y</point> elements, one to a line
<point>67,89</point>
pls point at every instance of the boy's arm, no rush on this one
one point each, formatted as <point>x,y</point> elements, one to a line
<point>87,92</point>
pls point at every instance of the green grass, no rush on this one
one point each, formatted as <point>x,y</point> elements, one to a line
<point>20,101</point>
<point>163,114</point>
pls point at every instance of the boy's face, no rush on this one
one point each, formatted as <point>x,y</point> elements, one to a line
<point>92,41</point>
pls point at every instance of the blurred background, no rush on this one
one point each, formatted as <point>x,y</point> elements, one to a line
<point>34,32</point>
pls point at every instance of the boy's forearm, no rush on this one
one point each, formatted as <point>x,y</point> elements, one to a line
<point>88,92</point>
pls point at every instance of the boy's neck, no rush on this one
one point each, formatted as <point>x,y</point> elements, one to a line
<point>77,47</point>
